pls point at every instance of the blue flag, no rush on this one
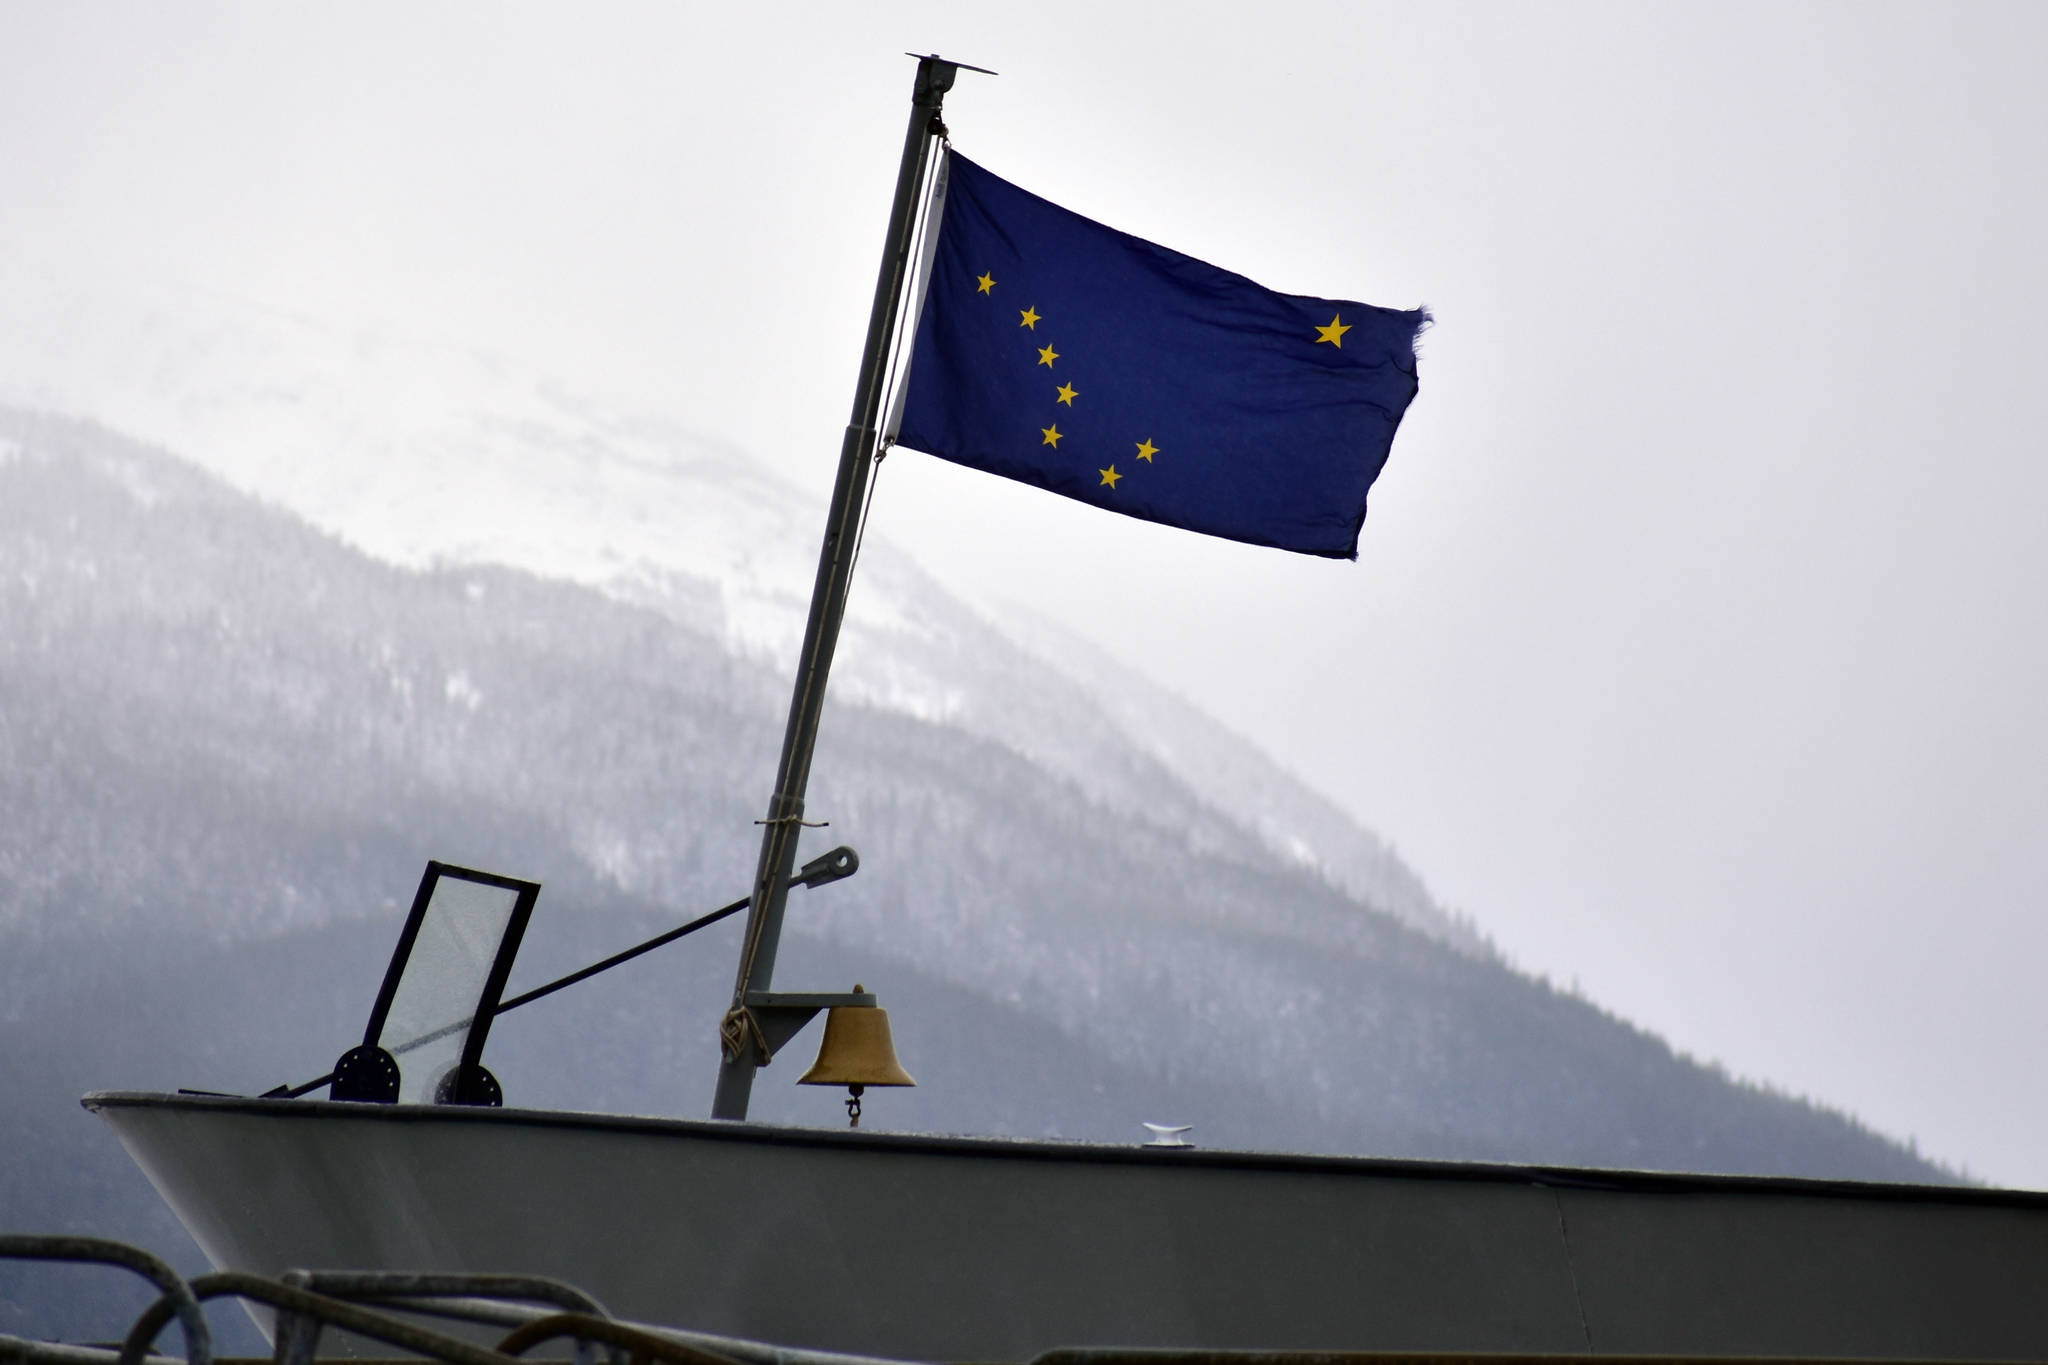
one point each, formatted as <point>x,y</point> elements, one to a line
<point>1062,353</point>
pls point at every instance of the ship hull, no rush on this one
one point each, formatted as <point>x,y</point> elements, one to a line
<point>980,1249</point>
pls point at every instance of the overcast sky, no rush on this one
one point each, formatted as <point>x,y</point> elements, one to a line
<point>1696,643</point>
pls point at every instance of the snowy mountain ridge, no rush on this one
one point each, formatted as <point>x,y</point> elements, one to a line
<point>427,454</point>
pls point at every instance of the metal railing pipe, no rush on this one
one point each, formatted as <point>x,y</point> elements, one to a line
<point>178,1297</point>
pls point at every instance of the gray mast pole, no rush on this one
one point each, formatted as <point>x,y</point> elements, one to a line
<point>742,1043</point>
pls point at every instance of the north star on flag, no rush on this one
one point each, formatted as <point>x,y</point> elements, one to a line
<point>1065,354</point>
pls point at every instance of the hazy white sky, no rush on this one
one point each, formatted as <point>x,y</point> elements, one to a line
<point>1696,645</point>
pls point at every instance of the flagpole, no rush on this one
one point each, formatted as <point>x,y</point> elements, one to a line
<point>743,1047</point>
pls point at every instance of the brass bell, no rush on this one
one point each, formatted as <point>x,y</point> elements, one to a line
<point>857,1052</point>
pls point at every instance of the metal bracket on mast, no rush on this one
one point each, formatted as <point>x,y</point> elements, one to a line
<point>783,1016</point>
<point>745,1044</point>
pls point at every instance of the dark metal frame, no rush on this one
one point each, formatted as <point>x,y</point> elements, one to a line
<point>486,1006</point>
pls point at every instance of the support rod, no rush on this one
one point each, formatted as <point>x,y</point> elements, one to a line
<point>742,1043</point>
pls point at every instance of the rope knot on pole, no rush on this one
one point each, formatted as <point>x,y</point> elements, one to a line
<point>739,1028</point>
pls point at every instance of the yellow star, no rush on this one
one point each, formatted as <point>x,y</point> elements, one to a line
<point>1046,356</point>
<point>1067,393</point>
<point>1030,316</point>
<point>1146,450</point>
<point>987,282</point>
<point>1109,476</point>
<point>1334,333</point>
<point>1051,434</point>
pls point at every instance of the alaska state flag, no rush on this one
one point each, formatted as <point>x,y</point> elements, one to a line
<point>1056,351</point>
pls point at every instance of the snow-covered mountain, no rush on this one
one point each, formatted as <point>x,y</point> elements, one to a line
<point>228,741</point>
<point>424,453</point>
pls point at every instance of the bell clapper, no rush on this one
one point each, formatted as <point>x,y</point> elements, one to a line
<point>853,1104</point>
